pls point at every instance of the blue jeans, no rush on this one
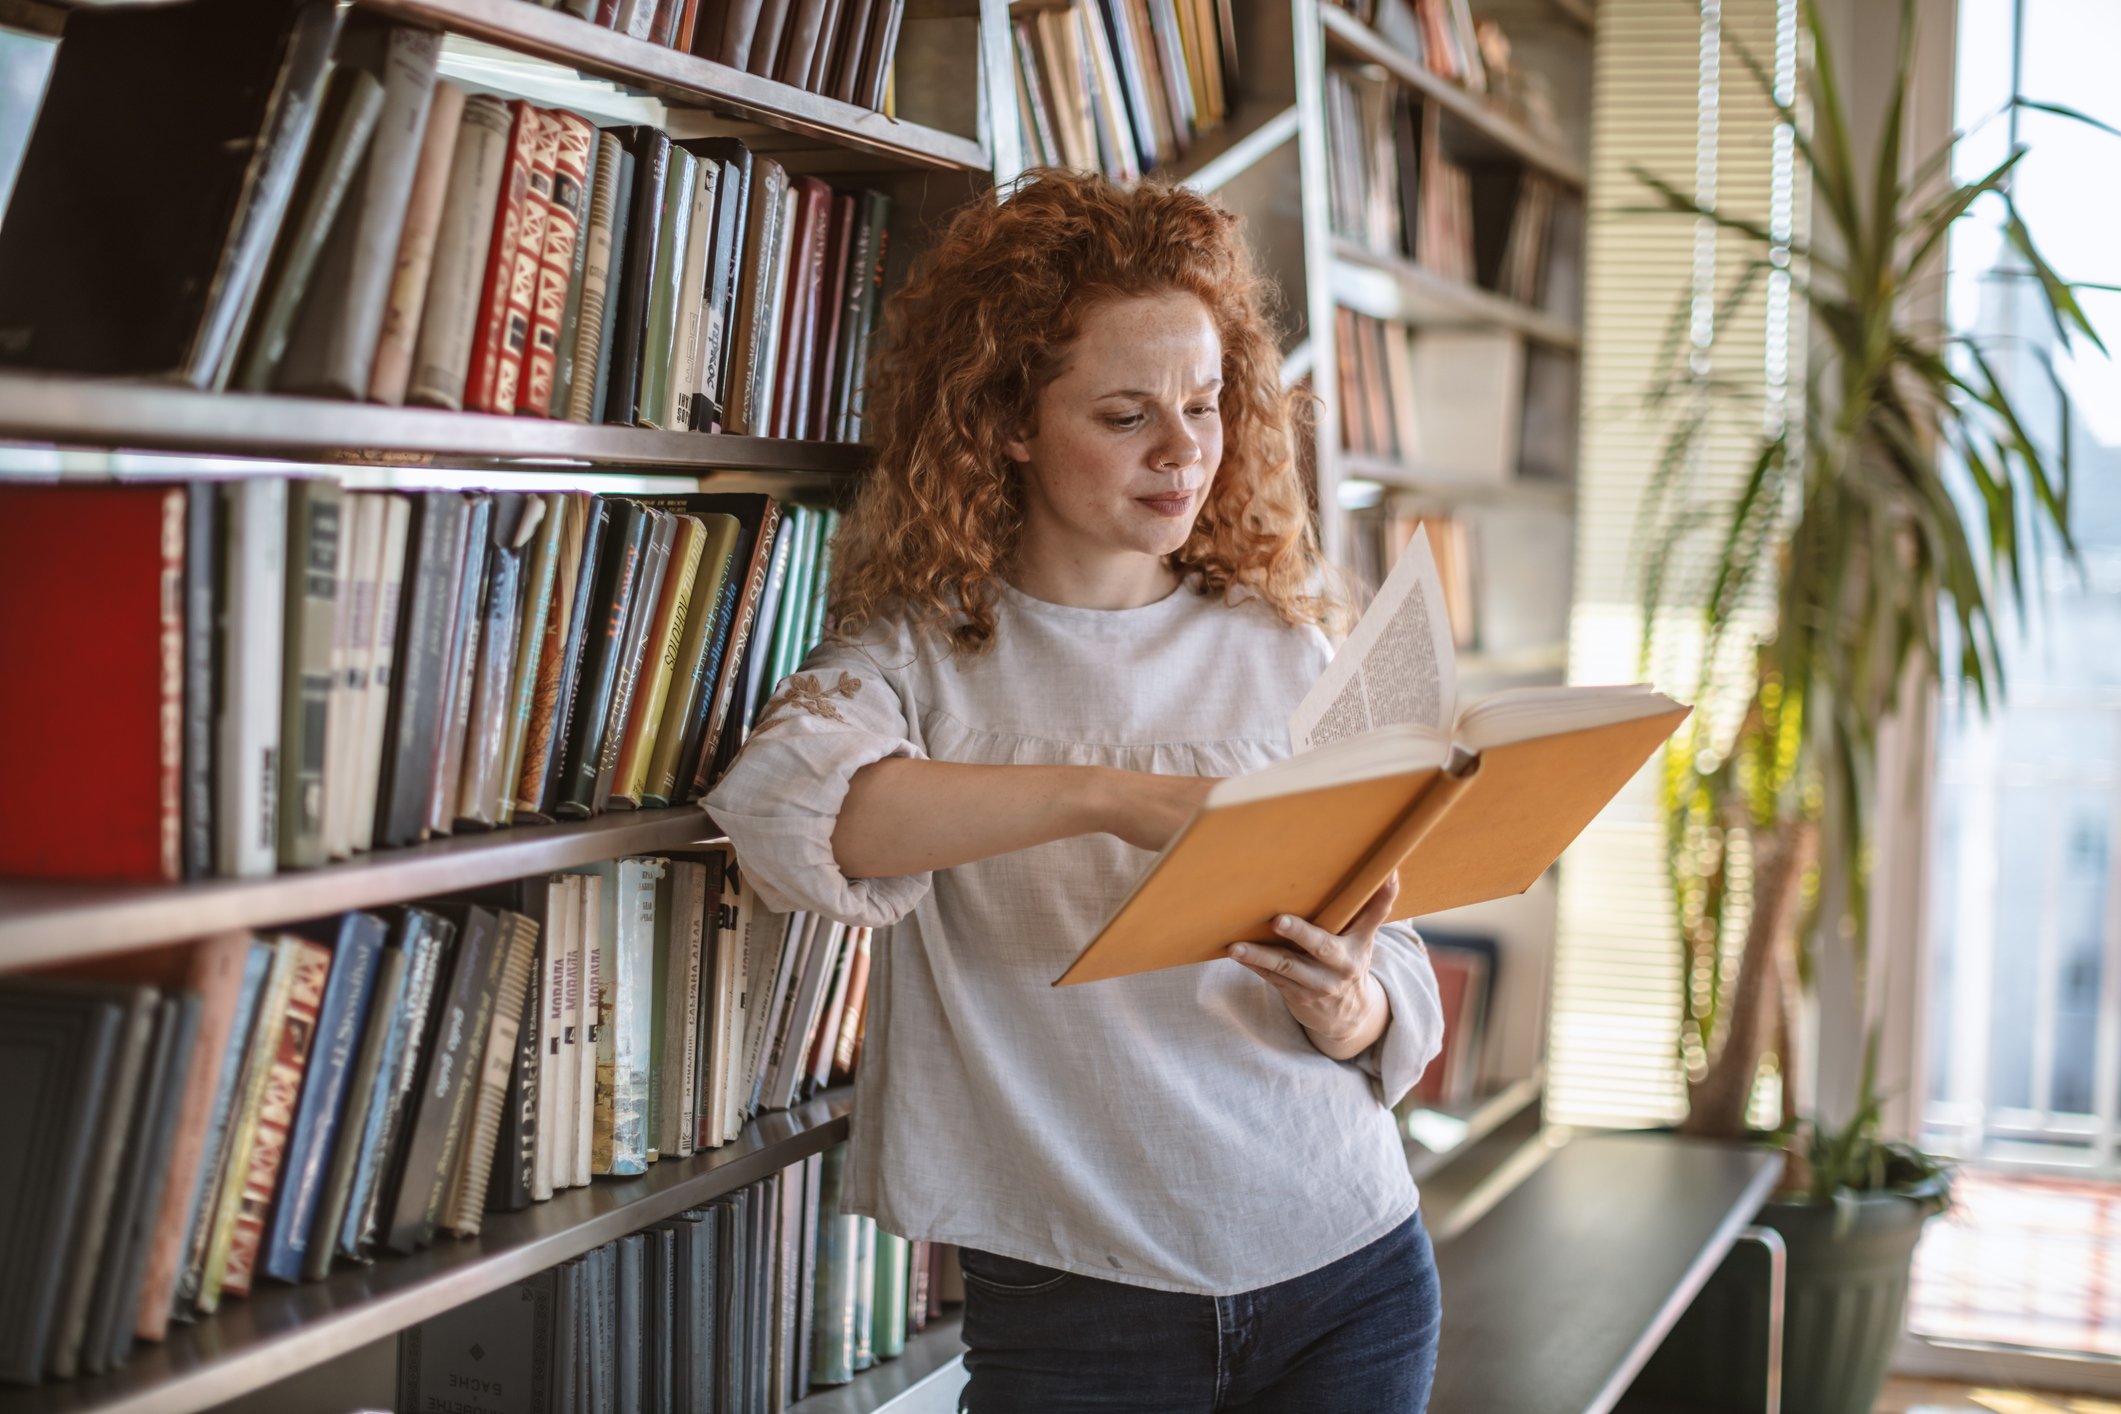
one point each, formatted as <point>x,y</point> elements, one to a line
<point>1357,1336</point>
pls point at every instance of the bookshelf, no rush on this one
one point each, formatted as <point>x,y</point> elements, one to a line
<point>948,138</point>
<point>280,1330</point>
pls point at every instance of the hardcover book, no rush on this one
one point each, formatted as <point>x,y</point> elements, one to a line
<point>406,297</point>
<point>426,938</point>
<point>271,1120</point>
<point>1464,805</point>
<point>313,515</point>
<point>441,361</point>
<point>515,947</point>
<point>97,618</point>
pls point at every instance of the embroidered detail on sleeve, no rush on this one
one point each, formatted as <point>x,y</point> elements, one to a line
<point>803,691</point>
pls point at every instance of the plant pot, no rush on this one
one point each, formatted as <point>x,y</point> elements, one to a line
<point>1845,1294</point>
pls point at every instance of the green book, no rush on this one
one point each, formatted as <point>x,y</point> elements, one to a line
<point>351,107</point>
<point>659,349</point>
<point>793,611</point>
<point>888,1318</point>
<point>832,1297</point>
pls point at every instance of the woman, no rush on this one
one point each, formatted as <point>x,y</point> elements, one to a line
<point>1077,589</point>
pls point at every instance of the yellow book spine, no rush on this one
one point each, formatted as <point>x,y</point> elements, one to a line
<point>666,636</point>
<point>257,1069</point>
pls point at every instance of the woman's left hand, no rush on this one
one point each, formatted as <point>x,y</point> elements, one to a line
<point>1325,980</point>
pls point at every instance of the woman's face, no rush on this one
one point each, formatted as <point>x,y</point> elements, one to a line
<point>1129,435</point>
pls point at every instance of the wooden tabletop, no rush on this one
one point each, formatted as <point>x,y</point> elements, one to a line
<point>1554,1299</point>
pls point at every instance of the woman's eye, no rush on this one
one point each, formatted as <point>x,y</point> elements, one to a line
<point>1125,423</point>
<point>1205,410</point>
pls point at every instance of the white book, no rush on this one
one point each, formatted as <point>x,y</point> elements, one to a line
<point>599,922</point>
<point>247,738</point>
<point>627,1022</point>
<point>352,651</point>
<point>780,1002</point>
<point>685,895</point>
<point>692,298</point>
<point>750,943</point>
<point>725,997</point>
<point>828,1027</point>
<point>382,664</point>
<point>552,1020</point>
<point>806,1000</point>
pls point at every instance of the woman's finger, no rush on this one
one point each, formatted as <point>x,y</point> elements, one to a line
<point>1316,941</point>
<point>1373,913</point>
<point>1289,964</point>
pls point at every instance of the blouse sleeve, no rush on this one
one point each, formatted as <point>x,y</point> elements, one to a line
<point>1414,1036</point>
<point>781,797</point>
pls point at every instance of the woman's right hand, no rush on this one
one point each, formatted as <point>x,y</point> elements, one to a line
<point>1146,809</point>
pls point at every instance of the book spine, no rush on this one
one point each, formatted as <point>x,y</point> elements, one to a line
<point>519,943</point>
<point>416,689</point>
<point>652,398</point>
<point>739,642</point>
<point>595,281</point>
<point>603,634</point>
<point>549,990</point>
<point>202,525</point>
<point>574,145</point>
<point>691,295</point>
<point>725,257</point>
<point>878,208</point>
<point>312,602</point>
<point>633,1014</point>
<point>607,344</point>
<point>666,635</point>
<point>574,575</point>
<point>339,1019</point>
<point>514,364</point>
<point>570,330</point>
<point>847,371</point>
<point>798,309</point>
<point>216,1153</point>
<point>633,654</point>
<point>279,1094</point>
<point>425,939</point>
<point>247,750</point>
<point>391,374</point>
<point>360,529</point>
<point>569,1163</point>
<point>370,1073</point>
<point>434,1120</point>
<point>485,738</point>
<point>460,660</point>
<point>689,928</point>
<point>685,693</point>
<point>539,580</point>
<point>365,777</point>
<point>485,381</point>
<point>449,316</point>
<point>636,278</point>
<point>349,123</point>
<point>696,740</point>
<point>335,348</point>
<point>831,319</point>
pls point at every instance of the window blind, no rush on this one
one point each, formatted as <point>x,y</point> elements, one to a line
<point>1670,96</point>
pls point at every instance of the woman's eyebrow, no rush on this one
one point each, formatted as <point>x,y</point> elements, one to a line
<point>1212,385</point>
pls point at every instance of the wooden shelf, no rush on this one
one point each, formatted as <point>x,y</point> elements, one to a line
<point>1353,39</point>
<point>280,1330</point>
<point>1245,137</point>
<point>1399,477</point>
<point>1450,1130</point>
<point>682,79</point>
<point>41,921</point>
<point>161,417</point>
<point>924,1379</point>
<point>1392,287</point>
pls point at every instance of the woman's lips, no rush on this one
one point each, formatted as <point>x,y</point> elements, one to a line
<point>1176,504</point>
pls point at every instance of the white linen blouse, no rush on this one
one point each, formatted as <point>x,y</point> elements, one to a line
<point>1174,1130</point>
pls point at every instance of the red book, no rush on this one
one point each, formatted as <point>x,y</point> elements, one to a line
<point>575,142</point>
<point>839,250</point>
<point>806,279</point>
<point>276,1113</point>
<point>92,636</point>
<point>488,329</point>
<point>523,279</point>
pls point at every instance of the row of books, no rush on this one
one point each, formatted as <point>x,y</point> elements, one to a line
<point>1378,416</point>
<point>740,1306</point>
<point>1467,966</point>
<point>288,673</point>
<point>382,235</point>
<point>1466,406</point>
<point>1380,534</point>
<point>842,49</point>
<point>1440,35</point>
<point>1121,86</point>
<point>209,1114</point>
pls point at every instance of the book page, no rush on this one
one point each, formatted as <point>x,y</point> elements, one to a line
<point>1396,667</point>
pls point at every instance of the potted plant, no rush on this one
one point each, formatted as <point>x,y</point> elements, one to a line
<point>1844,575</point>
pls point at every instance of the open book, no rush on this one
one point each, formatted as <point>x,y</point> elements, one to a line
<point>1388,775</point>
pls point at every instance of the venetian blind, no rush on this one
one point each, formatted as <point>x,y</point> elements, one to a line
<point>1670,95</point>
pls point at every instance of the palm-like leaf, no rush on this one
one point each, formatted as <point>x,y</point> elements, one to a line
<point>1845,547</point>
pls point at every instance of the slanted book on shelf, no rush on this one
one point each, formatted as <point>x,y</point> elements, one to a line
<point>1390,775</point>
<point>747,1302</point>
<point>213,1115</point>
<point>376,233</point>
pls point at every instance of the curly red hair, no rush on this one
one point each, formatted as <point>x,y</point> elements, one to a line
<point>979,329</point>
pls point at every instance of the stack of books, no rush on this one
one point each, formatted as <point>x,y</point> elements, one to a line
<point>747,1303</point>
<point>1121,86</point>
<point>286,673</point>
<point>345,224</point>
<point>204,1116</point>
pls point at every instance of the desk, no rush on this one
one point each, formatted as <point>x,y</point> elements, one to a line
<point>1555,1298</point>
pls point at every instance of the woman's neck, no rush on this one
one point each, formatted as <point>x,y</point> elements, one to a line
<point>1117,580</point>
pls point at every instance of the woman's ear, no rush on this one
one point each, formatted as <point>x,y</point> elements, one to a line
<point>1017,447</point>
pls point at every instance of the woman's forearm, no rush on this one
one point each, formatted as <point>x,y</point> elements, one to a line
<point>903,816</point>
